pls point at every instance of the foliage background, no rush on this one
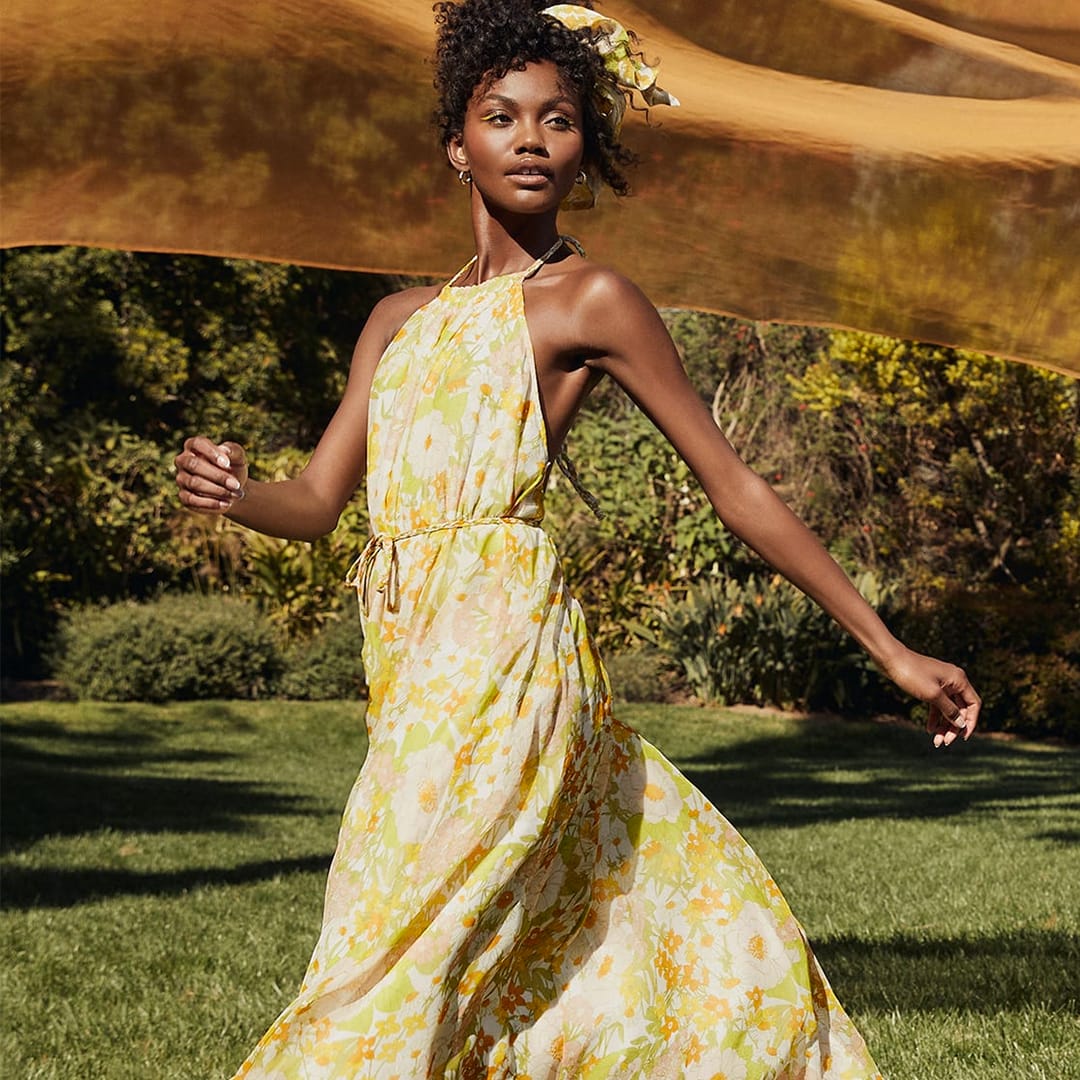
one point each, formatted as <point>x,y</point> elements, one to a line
<point>946,482</point>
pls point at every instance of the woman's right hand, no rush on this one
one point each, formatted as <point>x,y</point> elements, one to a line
<point>210,476</point>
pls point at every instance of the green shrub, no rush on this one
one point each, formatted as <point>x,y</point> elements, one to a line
<point>1050,701</point>
<point>1020,650</point>
<point>326,667</point>
<point>175,648</point>
<point>658,529</point>
<point>643,673</point>
<point>1036,693</point>
<point>761,641</point>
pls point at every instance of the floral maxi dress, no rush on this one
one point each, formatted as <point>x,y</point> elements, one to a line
<point>522,887</point>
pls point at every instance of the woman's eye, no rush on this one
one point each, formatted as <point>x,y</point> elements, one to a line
<point>496,118</point>
<point>562,122</point>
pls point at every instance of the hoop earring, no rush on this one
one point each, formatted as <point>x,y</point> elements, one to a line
<point>582,196</point>
<point>464,176</point>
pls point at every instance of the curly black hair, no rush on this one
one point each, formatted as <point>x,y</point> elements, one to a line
<point>479,41</point>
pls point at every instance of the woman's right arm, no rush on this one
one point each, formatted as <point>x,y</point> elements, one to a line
<point>212,477</point>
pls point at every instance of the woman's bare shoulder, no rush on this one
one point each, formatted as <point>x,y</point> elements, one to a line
<point>601,306</point>
<point>594,283</point>
<point>392,312</point>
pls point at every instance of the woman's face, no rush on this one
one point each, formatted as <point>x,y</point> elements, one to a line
<point>523,140</point>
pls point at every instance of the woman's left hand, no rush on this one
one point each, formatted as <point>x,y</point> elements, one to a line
<point>954,704</point>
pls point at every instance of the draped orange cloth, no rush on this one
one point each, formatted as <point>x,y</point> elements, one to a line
<point>908,167</point>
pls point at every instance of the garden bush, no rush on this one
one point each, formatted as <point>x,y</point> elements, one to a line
<point>643,673</point>
<point>1048,689</point>
<point>327,666</point>
<point>180,647</point>
<point>760,641</point>
<point>1021,651</point>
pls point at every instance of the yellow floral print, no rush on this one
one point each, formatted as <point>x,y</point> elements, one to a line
<point>523,887</point>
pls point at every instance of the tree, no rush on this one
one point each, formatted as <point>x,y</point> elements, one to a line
<point>950,465</point>
<point>110,358</point>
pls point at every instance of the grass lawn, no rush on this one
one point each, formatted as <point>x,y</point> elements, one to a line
<point>163,871</point>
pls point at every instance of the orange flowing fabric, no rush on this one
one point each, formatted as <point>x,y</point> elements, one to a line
<point>911,167</point>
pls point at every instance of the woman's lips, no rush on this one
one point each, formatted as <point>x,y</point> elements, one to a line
<point>530,175</point>
<point>530,179</point>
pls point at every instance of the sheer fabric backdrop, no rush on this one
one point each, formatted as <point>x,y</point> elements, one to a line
<point>909,167</point>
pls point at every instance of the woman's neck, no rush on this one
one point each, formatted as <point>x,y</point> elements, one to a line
<point>506,245</point>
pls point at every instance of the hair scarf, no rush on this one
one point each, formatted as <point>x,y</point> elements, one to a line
<point>627,72</point>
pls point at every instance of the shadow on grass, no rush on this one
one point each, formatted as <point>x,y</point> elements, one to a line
<point>992,974</point>
<point>1064,837</point>
<point>830,770</point>
<point>55,782</point>
<point>53,887</point>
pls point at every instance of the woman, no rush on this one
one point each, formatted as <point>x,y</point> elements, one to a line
<point>522,886</point>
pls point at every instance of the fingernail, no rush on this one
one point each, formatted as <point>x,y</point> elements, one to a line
<point>223,461</point>
<point>233,483</point>
<point>223,504</point>
<point>939,739</point>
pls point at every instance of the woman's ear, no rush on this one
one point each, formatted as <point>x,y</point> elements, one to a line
<point>455,151</point>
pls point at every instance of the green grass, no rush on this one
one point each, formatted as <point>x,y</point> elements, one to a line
<point>163,871</point>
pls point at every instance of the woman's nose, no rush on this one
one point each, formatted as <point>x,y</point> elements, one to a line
<point>531,139</point>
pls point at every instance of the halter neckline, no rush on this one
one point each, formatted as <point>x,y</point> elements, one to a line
<point>523,274</point>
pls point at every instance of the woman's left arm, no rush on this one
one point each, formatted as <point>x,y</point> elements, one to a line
<point>631,344</point>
